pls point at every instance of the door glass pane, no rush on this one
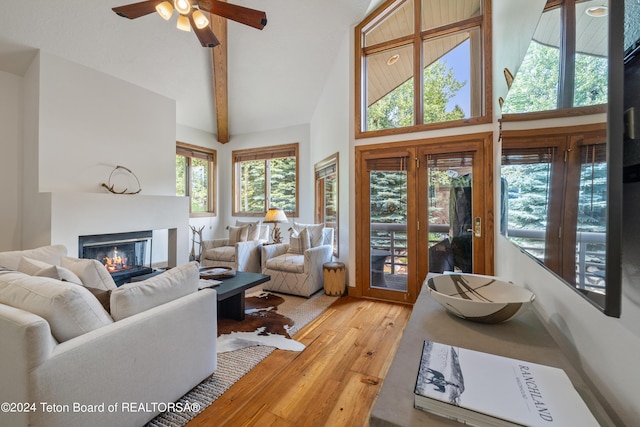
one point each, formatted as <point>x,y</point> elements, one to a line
<point>592,226</point>
<point>330,185</point>
<point>526,179</point>
<point>449,198</point>
<point>388,217</point>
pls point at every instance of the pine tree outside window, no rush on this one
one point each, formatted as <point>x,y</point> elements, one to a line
<point>265,177</point>
<point>195,174</point>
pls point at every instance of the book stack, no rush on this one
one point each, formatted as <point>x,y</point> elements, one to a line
<point>482,389</point>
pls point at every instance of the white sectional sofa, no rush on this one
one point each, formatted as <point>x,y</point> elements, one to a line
<point>67,361</point>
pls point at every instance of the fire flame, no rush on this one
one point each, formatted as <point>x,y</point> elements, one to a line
<point>116,262</point>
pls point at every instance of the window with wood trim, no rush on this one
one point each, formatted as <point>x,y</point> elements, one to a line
<point>264,178</point>
<point>423,64</point>
<point>566,64</point>
<point>195,178</point>
<point>326,200</point>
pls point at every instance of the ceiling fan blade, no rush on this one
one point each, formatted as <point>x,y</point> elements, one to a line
<point>244,15</point>
<point>205,35</point>
<point>136,10</point>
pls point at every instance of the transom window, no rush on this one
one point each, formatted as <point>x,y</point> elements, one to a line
<point>422,73</point>
<point>195,174</point>
<point>265,178</point>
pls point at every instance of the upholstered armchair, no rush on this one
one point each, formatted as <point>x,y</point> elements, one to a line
<point>296,270</point>
<point>239,254</point>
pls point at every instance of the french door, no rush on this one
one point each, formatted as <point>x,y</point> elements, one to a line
<point>419,206</point>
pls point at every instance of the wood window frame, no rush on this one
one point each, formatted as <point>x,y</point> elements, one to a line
<point>323,165</point>
<point>416,39</point>
<point>263,153</point>
<point>190,151</point>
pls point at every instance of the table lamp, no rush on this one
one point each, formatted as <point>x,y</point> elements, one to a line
<point>275,216</point>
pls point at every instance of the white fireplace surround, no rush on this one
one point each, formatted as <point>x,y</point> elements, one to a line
<point>78,214</point>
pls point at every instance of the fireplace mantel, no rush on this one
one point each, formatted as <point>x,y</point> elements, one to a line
<point>77,214</point>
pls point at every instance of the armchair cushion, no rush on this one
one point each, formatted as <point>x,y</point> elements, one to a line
<point>136,297</point>
<point>299,242</point>
<point>221,253</point>
<point>254,229</point>
<point>70,310</point>
<point>316,237</point>
<point>289,262</point>
<point>238,234</point>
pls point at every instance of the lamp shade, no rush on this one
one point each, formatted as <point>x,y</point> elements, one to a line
<point>275,215</point>
<point>182,6</point>
<point>200,20</point>
<point>183,23</point>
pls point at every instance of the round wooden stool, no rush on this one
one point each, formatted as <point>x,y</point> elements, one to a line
<point>334,278</point>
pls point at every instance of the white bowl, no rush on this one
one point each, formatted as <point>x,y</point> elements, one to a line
<point>479,298</point>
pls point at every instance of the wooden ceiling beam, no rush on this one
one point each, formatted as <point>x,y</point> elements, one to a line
<point>220,88</point>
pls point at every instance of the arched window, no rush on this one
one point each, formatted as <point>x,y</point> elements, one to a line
<point>423,64</point>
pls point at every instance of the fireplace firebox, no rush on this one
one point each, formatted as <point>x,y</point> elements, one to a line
<point>124,255</point>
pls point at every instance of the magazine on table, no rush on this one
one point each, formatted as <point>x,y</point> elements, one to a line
<point>482,389</point>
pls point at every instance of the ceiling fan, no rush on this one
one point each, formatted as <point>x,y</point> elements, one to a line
<point>190,15</point>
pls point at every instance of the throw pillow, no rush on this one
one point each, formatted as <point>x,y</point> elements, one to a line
<point>33,267</point>
<point>69,309</point>
<point>238,234</point>
<point>299,243</point>
<point>103,297</point>
<point>90,271</point>
<point>136,297</point>
<point>316,235</point>
<point>254,229</point>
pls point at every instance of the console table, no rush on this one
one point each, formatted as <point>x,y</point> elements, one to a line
<point>524,337</point>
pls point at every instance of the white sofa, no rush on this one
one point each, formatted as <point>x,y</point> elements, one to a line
<point>126,371</point>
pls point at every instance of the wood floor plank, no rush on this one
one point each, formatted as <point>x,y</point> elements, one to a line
<point>333,382</point>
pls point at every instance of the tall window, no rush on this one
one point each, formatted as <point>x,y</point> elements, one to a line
<point>423,73</point>
<point>326,204</point>
<point>195,173</point>
<point>265,177</point>
<point>566,64</point>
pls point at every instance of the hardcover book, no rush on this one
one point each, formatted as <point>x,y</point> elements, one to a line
<point>482,389</point>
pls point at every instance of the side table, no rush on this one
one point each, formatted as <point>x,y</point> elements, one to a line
<point>334,278</point>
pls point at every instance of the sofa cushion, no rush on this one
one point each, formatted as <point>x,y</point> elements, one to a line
<point>288,262</point>
<point>254,229</point>
<point>91,271</point>
<point>49,254</point>
<point>34,267</point>
<point>238,234</point>
<point>222,253</point>
<point>316,236</point>
<point>133,298</point>
<point>69,309</point>
<point>299,242</point>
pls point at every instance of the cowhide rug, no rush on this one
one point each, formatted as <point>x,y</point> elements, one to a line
<point>262,325</point>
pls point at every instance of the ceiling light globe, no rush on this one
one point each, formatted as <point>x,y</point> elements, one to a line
<point>183,23</point>
<point>199,19</point>
<point>182,6</point>
<point>165,10</point>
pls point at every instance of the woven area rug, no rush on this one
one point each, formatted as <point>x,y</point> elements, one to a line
<point>235,364</point>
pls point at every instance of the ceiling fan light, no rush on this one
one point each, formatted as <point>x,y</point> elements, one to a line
<point>200,20</point>
<point>182,6</point>
<point>183,23</point>
<point>165,10</point>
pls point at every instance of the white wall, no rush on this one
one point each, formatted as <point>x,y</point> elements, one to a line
<point>10,161</point>
<point>330,132</point>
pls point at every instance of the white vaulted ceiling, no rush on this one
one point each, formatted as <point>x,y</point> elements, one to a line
<point>275,75</point>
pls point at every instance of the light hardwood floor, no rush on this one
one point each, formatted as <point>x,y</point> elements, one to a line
<point>333,382</point>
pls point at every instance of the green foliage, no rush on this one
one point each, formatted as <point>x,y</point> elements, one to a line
<point>252,186</point>
<point>283,184</point>
<point>181,175</point>
<point>276,177</point>
<point>388,200</point>
<point>396,108</point>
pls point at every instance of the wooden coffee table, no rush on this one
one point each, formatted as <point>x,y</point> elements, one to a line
<point>231,293</point>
